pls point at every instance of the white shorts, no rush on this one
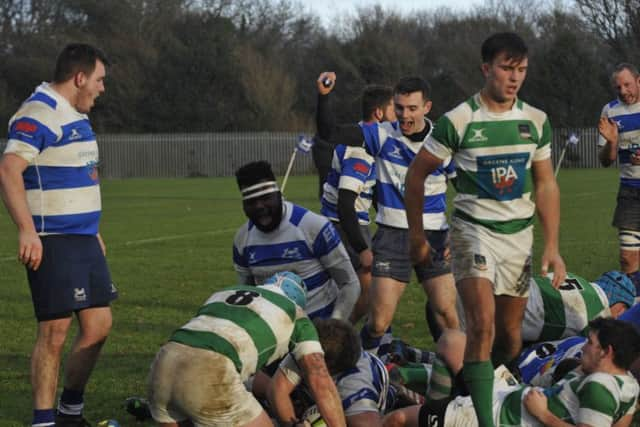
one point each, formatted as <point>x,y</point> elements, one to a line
<point>503,259</point>
<point>198,385</point>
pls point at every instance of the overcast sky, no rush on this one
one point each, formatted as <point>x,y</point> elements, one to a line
<point>328,9</point>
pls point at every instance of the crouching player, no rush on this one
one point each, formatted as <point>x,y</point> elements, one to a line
<point>197,377</point>
<point>361,378</point>
<point>601,392</point>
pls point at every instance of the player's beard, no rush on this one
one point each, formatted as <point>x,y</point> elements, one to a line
<point>268,218</point>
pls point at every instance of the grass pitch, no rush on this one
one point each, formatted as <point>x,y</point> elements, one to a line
<point>169,247</point>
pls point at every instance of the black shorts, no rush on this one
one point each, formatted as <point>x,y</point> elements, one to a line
<point>627,214</point>
<point>73,276</point>
<point>391,254</point>
<point>353,255</point>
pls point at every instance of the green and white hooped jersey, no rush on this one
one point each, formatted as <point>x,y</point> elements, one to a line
<point>493,153</point>
<point>552,314</point>
<point>597,399</point>
<point>252,326</point>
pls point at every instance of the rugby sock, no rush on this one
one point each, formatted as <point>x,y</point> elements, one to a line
<point>478,377</point>
<point>440,383</point>
<point>415,375</point>
<point>385,342</point>
<point>369,342</point>
<point>43,418</point>
<point>71,402</point>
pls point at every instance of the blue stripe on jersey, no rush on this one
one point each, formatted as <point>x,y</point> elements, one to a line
<point>277,253</point>
<point>32,132</point>
<point>627,122</point>
<point>58,177</point>
<point>317,280</point>
<point>389,196</point>
<point>614,103</point>
<point>85,223</point>
<point>239,259</point>
<point>396,152</point>
<point>44,98</point>
<point>371,141</point>
<point>74,132</point>
<point>630,182</point>
<point>365,393</point>
<point>330,210</point>
<point>326,241</point>
<point>377,377</point>
<point>324,313</point>
<point>297,214</point>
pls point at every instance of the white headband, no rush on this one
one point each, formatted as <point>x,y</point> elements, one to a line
<point>259,189</point>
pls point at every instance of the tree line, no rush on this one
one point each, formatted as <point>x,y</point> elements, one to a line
<point>251,65</point>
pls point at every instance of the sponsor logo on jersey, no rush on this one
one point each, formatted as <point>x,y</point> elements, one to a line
<point>478,135</point>
<point>361,167</point>
<point>479,262</point>
<point>619,124</point>
<point>291,253</point>
<point>502,176</point>
<point>26,127</point>
<point>524,130</point>
<point>79,294</point>
<point>252,256</point>
<point>92,170</point>
<point>395,153</point>
<point>74,135</point>
<point>383,265</point>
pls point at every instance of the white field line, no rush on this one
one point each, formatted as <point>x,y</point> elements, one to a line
<point>177,237</point>
<point>151,240</point>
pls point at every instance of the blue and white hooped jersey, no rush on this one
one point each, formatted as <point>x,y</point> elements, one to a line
<point>61,179</point>
<point>627,118</point>
<point>541,359</point>
<point>353,169</point>
<point>393,153</point>
<point>304,243</point>
<point>364,388</point>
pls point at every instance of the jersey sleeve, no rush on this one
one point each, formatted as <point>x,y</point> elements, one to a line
<point>304,339</point>
<point>291,370</point>
<point>543,151</point>
<point>597,402</point>
<point>28,137</point>
<point>444,139</point>
<point>356,167</point>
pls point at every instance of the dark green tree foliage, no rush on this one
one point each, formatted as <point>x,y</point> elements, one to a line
<point>234,65</point>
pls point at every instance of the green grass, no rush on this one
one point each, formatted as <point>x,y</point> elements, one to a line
<point>169,247</point>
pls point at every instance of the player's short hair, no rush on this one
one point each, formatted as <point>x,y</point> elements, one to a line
<point>622,336</point>
<point>373,97</point>
<point>340,342</point>
<point>76,58</point>
<point>253,173</point>
<point>407,85</point>
<point>625,66</point>
<point>510,43</point>
<point>564,367</point>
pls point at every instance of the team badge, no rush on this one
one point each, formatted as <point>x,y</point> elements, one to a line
<point>479,262</point>
<point>524,130</point>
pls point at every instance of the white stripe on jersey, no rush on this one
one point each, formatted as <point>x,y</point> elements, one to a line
<point>64,202</point>
<point>627,118</point>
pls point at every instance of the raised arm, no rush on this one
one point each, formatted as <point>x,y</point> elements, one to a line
<point>609,132</point>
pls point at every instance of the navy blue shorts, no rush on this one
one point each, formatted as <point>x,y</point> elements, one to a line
<point>73,276</point>
<point>391,254</point>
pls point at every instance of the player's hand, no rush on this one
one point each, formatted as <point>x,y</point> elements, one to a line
<point>366,261</point>
<point>608,129</point>
<point>103,247</point>
<point>30,249</point>
<point>536,403</point>
<point>326,82</point>
<point>419,250</point>
<point>554,261</point>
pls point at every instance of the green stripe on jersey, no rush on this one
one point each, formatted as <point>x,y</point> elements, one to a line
<point>502,133</point>
<point>207,341</point>
<point>511,410</point>
<point>597,397</point>
<point>259,330</point>
<point>504,227</point>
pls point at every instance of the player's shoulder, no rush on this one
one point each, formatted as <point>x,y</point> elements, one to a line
<point>534,114</point>
<point>242,232</point>
<point>460,115</point>
<point>302,217</point>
